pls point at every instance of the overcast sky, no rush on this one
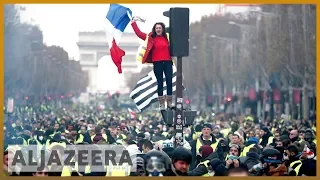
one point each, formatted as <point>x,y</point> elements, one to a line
<point>60,23</point>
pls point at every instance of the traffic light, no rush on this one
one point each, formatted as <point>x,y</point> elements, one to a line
<point>179,31</point>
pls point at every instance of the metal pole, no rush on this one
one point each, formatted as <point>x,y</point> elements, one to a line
<point>179,119</point>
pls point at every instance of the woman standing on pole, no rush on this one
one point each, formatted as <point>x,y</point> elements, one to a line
<point>156,50</point>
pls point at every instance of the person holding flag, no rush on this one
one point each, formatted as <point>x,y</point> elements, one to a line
<point>156,50</point>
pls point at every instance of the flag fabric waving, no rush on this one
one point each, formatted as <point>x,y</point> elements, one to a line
<point>145,92</point>
<point>117,20</point>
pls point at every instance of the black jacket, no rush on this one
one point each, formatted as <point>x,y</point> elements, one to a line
<point>250,160</point>
<point>202,169</point>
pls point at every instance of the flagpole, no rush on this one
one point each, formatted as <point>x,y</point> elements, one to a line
<point>129,15</point>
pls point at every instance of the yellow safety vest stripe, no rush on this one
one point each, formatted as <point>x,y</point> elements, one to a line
<point>246,149</point>
<point>297,167</point>
<point>198,145</point>
<point>67,170</point>
<point>80,139</point>
<point>196,135</point>
<point>123,170</point>
<point>103,135</point>
<point>270,140</point>
<point>205,163</point>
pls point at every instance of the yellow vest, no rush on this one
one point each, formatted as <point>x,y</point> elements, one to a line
<point>205,163</point>
<point>196,135</point>
<point>67,170</point>
<point>315,142</point>
<point>103,135</point>
<point>165,134</point>
<point>270,140</point>
<point>80,139</point>
<point>246,149</point>
<point>295,166</point>
<point>198,145</point>
<point>26,142</point>
<point>144,48</point>
<point>119,171</point>
<point>225,132</point>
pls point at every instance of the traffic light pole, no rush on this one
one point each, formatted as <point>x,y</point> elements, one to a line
<point>179,117</point>
<point>179,47</point>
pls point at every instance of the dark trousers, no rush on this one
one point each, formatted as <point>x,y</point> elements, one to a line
<point>163,67</point>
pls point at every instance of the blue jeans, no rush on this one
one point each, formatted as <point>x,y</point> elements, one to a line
<point>163,67</point>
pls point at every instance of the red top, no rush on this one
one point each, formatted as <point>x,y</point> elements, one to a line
<point>160,48</point>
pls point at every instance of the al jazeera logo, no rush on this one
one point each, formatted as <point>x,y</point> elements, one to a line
<point>31,158</point>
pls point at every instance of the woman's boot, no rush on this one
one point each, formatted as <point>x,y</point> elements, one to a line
<point>169,101</point>
<point>162,102</point>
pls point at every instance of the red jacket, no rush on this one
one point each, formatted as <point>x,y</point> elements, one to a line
<point>147,58</point>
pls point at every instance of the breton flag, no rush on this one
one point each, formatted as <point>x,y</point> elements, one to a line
<point>145,92</point>
<point>117,20</point>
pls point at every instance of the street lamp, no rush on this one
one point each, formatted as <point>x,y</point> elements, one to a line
<point>233,41</point>
<point>268,14</point>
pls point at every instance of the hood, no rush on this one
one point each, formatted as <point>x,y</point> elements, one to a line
<point>252,140</point>
<point>133,149</point>
<point>212,156</point>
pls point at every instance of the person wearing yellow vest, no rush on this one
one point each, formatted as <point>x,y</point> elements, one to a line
<point>292,159</point>
<point>206,138</point>
<point>207,154</point>
<point>252,142</point>
<point>251,159</point>
<point>266,137</point>
<point>26,137</point>
<point>98,136</point>
<point>196,131</point>
<point>157,51</point>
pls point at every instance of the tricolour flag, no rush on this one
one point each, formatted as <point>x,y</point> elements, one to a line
<point>117,21</point>
<point>133,115</point>
<point>145,92</point>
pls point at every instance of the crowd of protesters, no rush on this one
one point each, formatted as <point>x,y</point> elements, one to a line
<point>223,145</point>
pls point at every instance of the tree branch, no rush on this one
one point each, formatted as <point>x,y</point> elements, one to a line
<point>293,73</point>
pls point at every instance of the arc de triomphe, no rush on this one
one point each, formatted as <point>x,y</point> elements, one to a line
<point>93,46</point>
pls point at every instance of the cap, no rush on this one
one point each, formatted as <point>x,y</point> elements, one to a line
<point>271,155</point>
<point>207,126</point>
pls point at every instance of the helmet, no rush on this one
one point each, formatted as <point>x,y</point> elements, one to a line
<point>138,167</point>
<point>157,163</point>
<point>183,154</point>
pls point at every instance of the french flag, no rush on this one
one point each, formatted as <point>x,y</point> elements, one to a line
<point>117,20</point>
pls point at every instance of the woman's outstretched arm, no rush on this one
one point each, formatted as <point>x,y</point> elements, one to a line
<point>136,29</point>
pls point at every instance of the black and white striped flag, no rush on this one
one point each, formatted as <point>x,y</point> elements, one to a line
<point>145,92</point>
